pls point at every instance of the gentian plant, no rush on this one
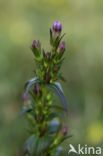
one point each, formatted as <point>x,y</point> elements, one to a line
<point>43,114</point>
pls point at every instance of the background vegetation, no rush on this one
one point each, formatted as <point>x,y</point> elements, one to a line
<point>23,21</point>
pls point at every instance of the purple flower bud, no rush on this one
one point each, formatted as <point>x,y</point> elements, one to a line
<point>48,55</point>
<point>35,44</point>
<point>57,26</point>
<point>36,89</point>
<point>64,130</point>
<point>61,47</point>
<point>55,68</point>
<point>25,97</point>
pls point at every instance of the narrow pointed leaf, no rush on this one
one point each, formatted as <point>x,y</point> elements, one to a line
<point>58,107</point>
<point>30,83</point>
<point>25,109</point>
<point>51,40</point>
<point>56,87</point>
<point>54,115</point>
<point>30,146</point>
<point>58,151</point>
<point>66,137</point>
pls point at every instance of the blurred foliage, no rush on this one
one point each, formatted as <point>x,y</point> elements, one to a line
<point>23,21</point>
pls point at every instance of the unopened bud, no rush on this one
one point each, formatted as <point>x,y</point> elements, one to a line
<point>62,47</point>
<point>57,27</point>
<point>64,130</point>
<point>35,44</point>
<point>55,68</point>
<point>48,55</point>
<point>36,49</point>
<point>36,89</point>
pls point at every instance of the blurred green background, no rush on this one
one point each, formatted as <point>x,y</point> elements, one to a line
<point>23,21</point>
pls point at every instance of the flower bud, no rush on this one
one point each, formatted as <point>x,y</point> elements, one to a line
<point>57,27</point>
<point>64,130</point>
<point>36,49</point>
<point>55,68</point>
<point>25,97</point>
<point>36,89</point>
<point>48,55</point>
<point>61,47</point>
<point>35,44</point>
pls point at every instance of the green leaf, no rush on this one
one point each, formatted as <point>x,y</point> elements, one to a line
<point>59,87</point>
<point>59,76</point>
<point>66,137</point>
<point>51,40</point>
<point>57,41</point>
<point>43,53</point>
<point>26,109</point>
<point>56,87</point>
<point>30,146</point>
<point>58,107</point>
<point>31,82</point>
<point>43,145</point>
<point>61,37</point>
<point>58,151</point>
<point>54,115</point>
<point>37,146</point>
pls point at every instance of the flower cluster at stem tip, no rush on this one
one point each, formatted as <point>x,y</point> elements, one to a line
<point>50,62</point>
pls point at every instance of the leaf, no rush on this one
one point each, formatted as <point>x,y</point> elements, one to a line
<point>26,109</point>
<point>61,37</point>
<point>60,61</point>
<point>43,53</point>
<point>58,151</point>
<point>59,86</point>
<point>43,144</point>
<point>30,145</point>
<point>66,137</point>
<point>32,98</point>
<point>31,82</point>
<point>59,76</point>
<point>37,146</point>
<point>54,115</point>
<point>51,40</point>
<point>58,107</point>
<point>56,87</point>
<point>58,40</point>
